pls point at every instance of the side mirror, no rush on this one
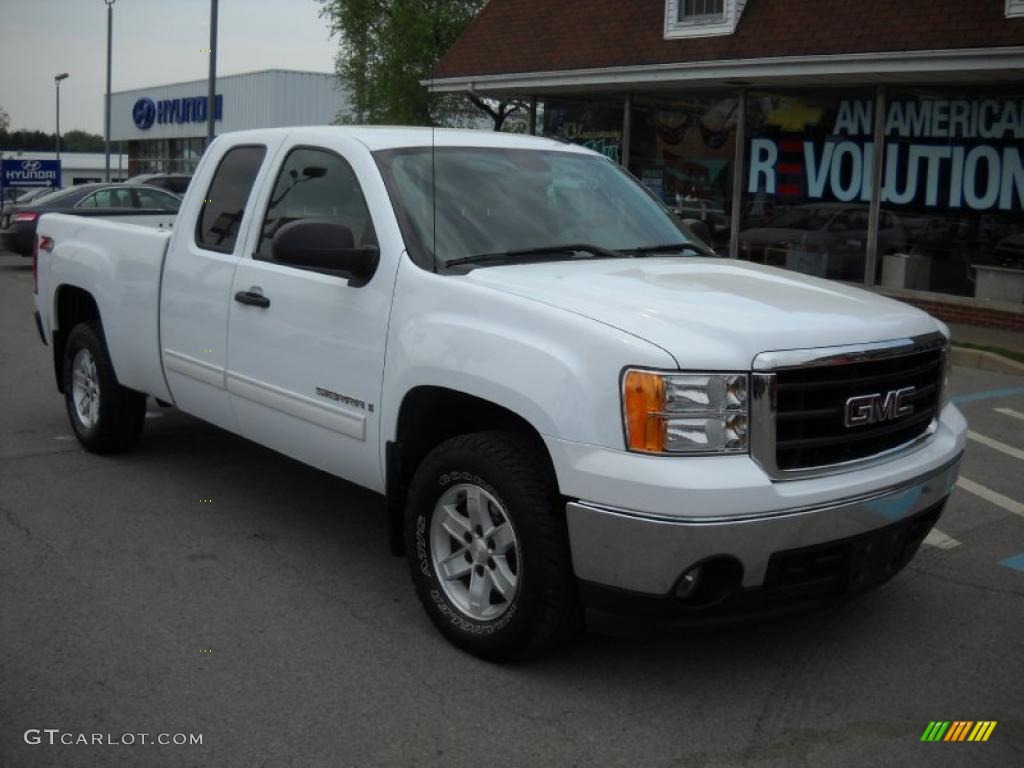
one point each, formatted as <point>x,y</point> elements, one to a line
<point>699,229</point>
<point>327,247</point>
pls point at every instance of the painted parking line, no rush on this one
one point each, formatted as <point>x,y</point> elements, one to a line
<point>993,497</point>
<point>1016,562</point>
<point>1010,412</point>
<point>989,395</point>
<point>938,539</point>
<point>1009,450</point>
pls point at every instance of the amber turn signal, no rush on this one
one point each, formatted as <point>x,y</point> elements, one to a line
<point>643,402</point>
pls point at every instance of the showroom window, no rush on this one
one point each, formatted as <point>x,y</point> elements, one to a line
<point>950,210</point>
<point>595,124</point>
<point>807,183</point>
<point>684,151</point>
<point>953,182</point>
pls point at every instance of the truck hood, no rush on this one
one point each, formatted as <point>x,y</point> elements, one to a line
<point>714,314</point>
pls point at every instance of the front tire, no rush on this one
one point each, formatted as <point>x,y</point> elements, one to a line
<point>488,548</point>
<point>106,417</point>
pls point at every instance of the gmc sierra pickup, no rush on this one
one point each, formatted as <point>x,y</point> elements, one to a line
<point>567,400</point>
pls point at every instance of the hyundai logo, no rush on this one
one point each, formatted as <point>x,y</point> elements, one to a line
<point>871,409</point>
<point>144,113</point>
<point>30,165</point>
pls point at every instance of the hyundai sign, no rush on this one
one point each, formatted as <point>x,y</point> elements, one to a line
<point>146,111</point>
<point>30,173</point>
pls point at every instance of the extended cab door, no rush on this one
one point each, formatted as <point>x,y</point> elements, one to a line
<point>196,290</point>
<point>306,358</point>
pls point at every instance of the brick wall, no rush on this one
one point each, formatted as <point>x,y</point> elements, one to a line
<point>968,314</point>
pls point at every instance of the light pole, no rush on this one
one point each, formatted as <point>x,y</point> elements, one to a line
<point>56,82</point>
<point>211,86</point>
<point>106,117</point>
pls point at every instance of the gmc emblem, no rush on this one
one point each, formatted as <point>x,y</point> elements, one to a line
<point>871,409</point>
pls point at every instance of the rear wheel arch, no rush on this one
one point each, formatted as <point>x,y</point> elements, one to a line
<point>71,305</point>
<point>427,417</point>
<point>105,417</point>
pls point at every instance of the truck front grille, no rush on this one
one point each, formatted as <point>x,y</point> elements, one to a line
<point>809,429</point>
<point>801,410</point>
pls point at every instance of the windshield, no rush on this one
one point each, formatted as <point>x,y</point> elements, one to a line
<point>496,200</point>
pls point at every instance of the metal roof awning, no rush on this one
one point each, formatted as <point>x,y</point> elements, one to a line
<point>948,67</point>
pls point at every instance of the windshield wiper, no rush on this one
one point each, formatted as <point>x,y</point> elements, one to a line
<point>644,250</point>
<point>482,258</point>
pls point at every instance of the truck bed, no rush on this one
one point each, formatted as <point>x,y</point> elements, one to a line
<point>120,265</point>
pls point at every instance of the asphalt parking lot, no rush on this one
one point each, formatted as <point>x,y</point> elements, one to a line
<point>205,585</point>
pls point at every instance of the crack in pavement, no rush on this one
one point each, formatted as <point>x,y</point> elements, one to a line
<point>13,520</point>
<point>9,514</point>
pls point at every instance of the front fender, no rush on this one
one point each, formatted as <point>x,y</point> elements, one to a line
<point>558,370</point>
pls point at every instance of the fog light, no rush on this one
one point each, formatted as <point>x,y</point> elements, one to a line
<point>689,582</point>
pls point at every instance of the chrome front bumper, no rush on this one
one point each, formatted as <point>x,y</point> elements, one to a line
<point>632,551</point>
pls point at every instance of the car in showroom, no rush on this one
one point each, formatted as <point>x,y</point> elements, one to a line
<point>821,239</point>
<point>131,203</point>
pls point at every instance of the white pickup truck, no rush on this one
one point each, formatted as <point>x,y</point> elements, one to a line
<point>567,400</point>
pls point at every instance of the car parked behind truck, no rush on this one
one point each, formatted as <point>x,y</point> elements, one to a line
<point>570,405</point>
<point>135,203</point>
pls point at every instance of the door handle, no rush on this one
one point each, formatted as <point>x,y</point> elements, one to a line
<point>252,298</point>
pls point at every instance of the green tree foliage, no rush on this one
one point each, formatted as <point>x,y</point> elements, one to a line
<point>389,46</point>
<point>81,141</point>
<point>5,119</point>
<point>38,141</point>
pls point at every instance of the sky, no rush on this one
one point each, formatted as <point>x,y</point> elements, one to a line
<point>154,42</point>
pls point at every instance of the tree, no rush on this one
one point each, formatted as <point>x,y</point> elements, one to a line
<point>499,111</point>
<point>5,120</point>
<point>39,141</point>
<point>82,141</point>
<point>387,47</point>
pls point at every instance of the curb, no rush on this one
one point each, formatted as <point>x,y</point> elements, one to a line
<point>986,361</point>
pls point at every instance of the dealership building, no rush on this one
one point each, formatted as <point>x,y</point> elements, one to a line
<point>162,129</point>
<point>875,142</point>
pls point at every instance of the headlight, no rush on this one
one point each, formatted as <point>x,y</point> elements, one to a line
<point>685,413</point>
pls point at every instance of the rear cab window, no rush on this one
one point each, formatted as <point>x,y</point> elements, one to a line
<point>224,205</point>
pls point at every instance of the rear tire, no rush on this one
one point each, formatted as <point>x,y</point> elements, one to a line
<point>106,417</point>
<point>488,548</point>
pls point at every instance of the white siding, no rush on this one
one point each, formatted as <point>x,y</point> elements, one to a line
<point>674,28</point>
<point>268,99</point>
